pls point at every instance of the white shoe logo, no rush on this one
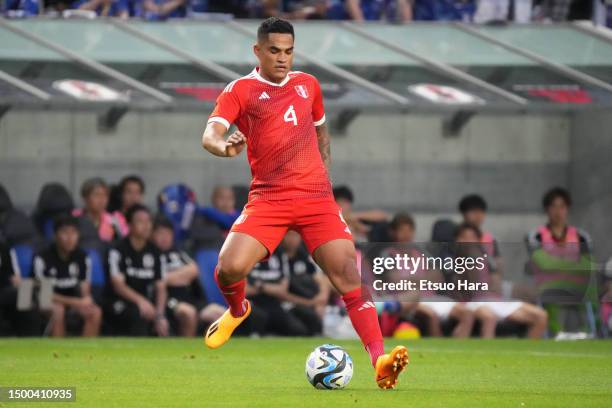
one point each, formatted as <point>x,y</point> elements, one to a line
<point>366,305</point>
<point>264,95</point>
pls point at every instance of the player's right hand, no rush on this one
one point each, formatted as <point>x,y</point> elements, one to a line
<point>235,143</point>
<point>146,309</point>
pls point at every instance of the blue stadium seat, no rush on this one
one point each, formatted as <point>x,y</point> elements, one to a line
<point>25,253</point>
<point>207,260</point>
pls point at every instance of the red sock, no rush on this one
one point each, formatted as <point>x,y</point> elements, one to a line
<point>362,313</point>
<point>234,295</point>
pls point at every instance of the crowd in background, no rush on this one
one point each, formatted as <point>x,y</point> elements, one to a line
<point>400,11</point>
<point>116,267</point>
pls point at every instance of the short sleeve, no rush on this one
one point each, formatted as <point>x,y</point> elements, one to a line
<point>160,268</point>
<point>85,272</point>
<point>185,258</point>
<point>114,262</point>
<point>38,266</point>
<point>318,110</point>
<point>228,107</point>
<point>13,266</point>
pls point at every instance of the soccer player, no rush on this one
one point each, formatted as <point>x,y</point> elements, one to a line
<point>557,203</point>
<point>433,307</point>
<point>281,121</point>
<point>186,299</point>
<point>489,309</point>
<point>69,268</point>
<point>136,293</point>
<point>9,281</point>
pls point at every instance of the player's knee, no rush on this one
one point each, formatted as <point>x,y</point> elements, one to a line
<point>211,312</point>
<point>487,317</point>
<point>463,313</point>
<point>96,313</point>
<point>232,269</point>
<point>186,312</point>
<point>541,316</point>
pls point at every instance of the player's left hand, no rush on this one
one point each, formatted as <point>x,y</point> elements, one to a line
<point>235,143</point>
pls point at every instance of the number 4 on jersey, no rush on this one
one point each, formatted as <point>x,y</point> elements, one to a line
<point>290,115</point>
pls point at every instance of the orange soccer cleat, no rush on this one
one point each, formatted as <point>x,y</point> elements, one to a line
<point>389,366</point>
<point>221,330</point>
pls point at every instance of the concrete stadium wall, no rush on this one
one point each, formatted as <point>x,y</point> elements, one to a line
<point>406,162</point>
<point>591,177</point>
<point>391,162</point>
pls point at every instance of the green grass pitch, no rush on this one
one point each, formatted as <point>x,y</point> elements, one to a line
<point>269,372</point>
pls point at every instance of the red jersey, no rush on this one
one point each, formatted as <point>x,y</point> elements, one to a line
<point>279,122</point>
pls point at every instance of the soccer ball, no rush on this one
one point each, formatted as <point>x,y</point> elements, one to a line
<point>329,367</point>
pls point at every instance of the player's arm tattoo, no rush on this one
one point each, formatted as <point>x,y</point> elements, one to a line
<point>324,145</point>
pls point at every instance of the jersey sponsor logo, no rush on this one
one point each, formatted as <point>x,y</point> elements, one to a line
<point>264,95</point>
<point>302,91</point>
<point>65,283</point>
<point>140,273</point>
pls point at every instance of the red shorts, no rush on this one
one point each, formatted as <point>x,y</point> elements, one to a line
<point>317,220</point>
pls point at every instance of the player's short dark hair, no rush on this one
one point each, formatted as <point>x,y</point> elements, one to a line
<point>274,25</point>
<point>343,192</point>
<point>554,193</point>
<point>467,226</point>
<point>65,220</point>
<point>91,184</point>
<point>161,221</point>
<point>132,178</point>
<point>129,214</point>
<point>402,219</point>
<point>472,202</point>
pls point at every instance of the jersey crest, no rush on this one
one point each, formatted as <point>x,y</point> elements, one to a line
<point>302,91</point>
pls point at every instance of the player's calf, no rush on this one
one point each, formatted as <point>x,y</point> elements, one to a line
<point>58,313</point>
<point>92,319</point>
<point>186,314</point>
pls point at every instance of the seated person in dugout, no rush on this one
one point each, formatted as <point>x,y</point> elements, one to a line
<point>557,230</point>
<point>136,292</point>
<point>487,307</point>
<point>9,281</point>
<point>433,307</point>
<point>473,208</point>
<point>357,221</point>
<point>268,290</point>
<point>69,269</point>
<point>562,264</point>
<point>95,194</point>
<point>186,300</point>
<point>306,280</point>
